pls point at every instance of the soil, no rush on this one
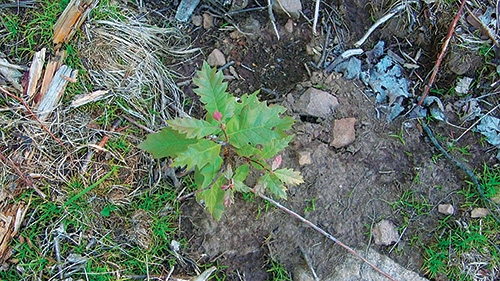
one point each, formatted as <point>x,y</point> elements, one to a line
<point>353,187</point>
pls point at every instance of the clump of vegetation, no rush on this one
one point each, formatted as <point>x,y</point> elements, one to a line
<point>235,135</point>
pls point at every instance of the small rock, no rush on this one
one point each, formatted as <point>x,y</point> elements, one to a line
<point>344,132</point>
<point>318,103</point>
<point>446,209</point>
<point>479,213</point>
<point>216,58</point>
<point>305,158</point>
<point>385,233</point>
<point>197,20</point>
<point>235,35</point>
<point>292,7</point>
<point>289,26</point>
<point>208,21</point>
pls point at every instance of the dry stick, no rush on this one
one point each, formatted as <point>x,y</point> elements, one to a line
<point>26,178</point>
<point>326,234</point>
<point>316,16</point>
<point>271,17</point>
<point>35,117</point>
<point>443,52</point>
<point>477,121</point>
<point>379,22</point>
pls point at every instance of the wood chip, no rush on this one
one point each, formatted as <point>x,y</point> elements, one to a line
<point>35,72</point>
<point>55,91</point>
<point>84,99</point>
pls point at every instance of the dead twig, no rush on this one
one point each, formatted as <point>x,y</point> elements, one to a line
<point>379,22</point>
<point>271,17</point>
<point>474,124</point>
<point>323,232</point>
<point>441,55</point>
<point>316,16</point>
<point>35,117</point>
<point>26,178</point>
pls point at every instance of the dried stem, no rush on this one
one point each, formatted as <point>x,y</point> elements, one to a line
<point>441,55</point>
<point>35,117</point>
<point>326,234</point>
<point>26,178</point>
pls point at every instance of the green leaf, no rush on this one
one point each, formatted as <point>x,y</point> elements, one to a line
<point>199,154</point>
<point>241,173</point>
<point>214,196</point>
<point>166,143</point>
<point>273,183</point>
<point>256,123</point>
<point>193,128</point>
<point>212,92</point>
<point>248,151</point>
<point>289,176</point>
<point>275,146</point>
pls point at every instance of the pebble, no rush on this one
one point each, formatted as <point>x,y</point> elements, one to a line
<point>385,233</point>
<point>197,20</point>
<point>216,58</point>
<point>446,209</point>
<point>289,26</point>
<point>318,103</point>
<point>479,213</point>
<point>305,158</point>
<point>344,132</point>
<point>208,21</point>
<point>291,7</point>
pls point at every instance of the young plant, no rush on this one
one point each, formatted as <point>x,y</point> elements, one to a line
<point>234,136</point>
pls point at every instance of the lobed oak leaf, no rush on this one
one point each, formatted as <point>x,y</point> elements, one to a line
<point>193,128</point>
<point>289,176</point>
<point>198,155</point>
<point>166,143</point>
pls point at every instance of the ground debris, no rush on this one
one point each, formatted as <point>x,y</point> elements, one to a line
<point>71,19</point>
<point>385,233</point>
<point>344,132</point>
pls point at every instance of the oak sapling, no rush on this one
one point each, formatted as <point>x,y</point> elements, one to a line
<point>234,136</point>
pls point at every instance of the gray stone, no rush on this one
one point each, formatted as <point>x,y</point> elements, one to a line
<point>197,20</point>
<point>385,233</point>
<point>446,209</point>
<point>289,26</point>
<point>353,268</point>
<point>216,58</point>
<point>479,213</point>
<point>344,132</point>
<point>291,7</point>
<point>305,158</point>
<point>318,103</point>
<point>208,21</point>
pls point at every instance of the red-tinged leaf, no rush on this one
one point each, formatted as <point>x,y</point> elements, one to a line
<point>276,162</point>
<point>228,198</point>
<point>217,116</point>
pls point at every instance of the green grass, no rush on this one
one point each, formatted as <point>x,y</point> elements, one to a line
<point>460,244</point>
<point>278,272</point>
<point>84,222</point>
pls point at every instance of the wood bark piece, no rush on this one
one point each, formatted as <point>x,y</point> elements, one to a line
<point>10,224</point>
<point>71,19</point>
<point>11,74</point>
<point>55,91</point>
<point>54,64</point>
<point>84,99</point>
<point>35,72</point>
